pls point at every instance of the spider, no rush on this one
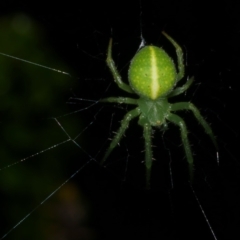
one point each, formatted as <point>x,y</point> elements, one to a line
<point>153,76</point>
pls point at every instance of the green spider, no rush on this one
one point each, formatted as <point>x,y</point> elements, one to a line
<point>153,76</point>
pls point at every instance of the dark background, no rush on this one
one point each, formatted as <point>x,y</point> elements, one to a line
<point>111,202</point>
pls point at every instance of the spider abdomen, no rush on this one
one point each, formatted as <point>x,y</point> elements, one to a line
<point>152,73</point>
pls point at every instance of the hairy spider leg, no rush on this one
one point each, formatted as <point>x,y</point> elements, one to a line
<point>180,122</point>
<point>120,100</point>
<point>114,71</point>
<point>182,89</point>
<point>189,106</point>
<point>124,125</point>
<point>179,52</point>
<point>147,131</point>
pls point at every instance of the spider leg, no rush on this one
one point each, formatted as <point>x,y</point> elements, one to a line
<point>180,122</point>
<point>198,116</point>
<point>124,125</point>
<point>147,130</point>
<point>114,71</point>
<point>120,100</point>
<point>179,52</point>
<point>182,89</point>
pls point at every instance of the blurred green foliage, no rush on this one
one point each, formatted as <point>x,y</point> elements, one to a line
<point>30,96</point>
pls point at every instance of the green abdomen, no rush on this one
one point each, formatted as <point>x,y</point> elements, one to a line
<point>152,73</point>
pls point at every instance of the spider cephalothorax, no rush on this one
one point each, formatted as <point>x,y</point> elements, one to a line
<point>152,76</point>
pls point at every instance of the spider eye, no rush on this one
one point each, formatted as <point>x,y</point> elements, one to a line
<point>152,73</point>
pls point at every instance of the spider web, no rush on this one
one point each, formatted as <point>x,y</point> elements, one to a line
<point>50,151</point>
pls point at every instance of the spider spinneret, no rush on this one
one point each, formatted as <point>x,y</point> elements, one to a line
<point>153,76</point>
